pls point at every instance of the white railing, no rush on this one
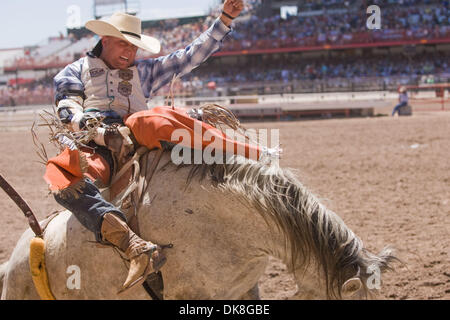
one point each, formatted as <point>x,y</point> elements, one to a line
<point>282,99</point>
<point>21,116</point>
<point>24,116</point>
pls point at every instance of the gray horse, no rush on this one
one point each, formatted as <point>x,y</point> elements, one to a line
<point>224,221</point>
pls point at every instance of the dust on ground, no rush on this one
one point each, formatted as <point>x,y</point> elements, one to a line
<point>388,178</point>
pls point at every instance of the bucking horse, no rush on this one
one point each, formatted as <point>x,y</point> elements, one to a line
<point>224,222</point>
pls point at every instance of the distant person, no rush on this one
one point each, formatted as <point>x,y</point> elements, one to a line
<point>402,99</point>
<point>12,102</point>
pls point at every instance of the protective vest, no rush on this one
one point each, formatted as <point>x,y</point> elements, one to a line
<point>105,89</point>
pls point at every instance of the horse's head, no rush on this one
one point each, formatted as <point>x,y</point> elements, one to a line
<point>312,285</point>
<point>345,270</point>
<point>368,277</point>
<point>346,284</point>
<point>351,287</point>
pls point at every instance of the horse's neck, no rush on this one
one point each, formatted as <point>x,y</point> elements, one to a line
<point>280,248</point>
<point>218,238</point>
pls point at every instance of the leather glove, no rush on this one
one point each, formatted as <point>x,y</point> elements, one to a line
<point>117,139</point>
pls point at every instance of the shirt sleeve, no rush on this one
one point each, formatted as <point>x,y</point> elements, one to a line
<point>68,81</point>
<point>156,73</point>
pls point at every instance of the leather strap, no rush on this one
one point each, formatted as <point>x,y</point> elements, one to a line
<point>143,171</point>
<point>146,174</point>
<point>228,16</point>
<point>154,286</point>
<point>131,34</point>
<point>32,221</point>
<point>149,173</point>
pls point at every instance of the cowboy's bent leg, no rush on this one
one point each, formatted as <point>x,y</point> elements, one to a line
<point>149,127</point>
<point>82,197</point>
<point>71,177</point>
<point>88,206</point>
<point>109,226</point>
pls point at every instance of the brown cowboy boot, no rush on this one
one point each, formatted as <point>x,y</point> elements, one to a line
<point>144,256</point>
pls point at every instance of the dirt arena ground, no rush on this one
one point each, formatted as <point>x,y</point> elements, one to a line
<point>388,178</point>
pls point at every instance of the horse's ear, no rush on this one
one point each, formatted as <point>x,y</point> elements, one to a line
<point>351,286</point>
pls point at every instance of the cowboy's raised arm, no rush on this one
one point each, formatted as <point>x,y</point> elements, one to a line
<point>156,73</point>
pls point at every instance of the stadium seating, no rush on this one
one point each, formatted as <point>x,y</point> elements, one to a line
<point>76,48</point>
<point>52,48</point>
<point>321,26</point>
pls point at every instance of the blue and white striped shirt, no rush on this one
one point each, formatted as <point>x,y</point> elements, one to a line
<point>154,73</point>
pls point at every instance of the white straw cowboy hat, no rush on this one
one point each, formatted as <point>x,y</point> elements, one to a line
<point>126,27</point>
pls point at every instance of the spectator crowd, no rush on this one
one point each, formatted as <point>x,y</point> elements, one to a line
<point>294,68</point>
<point>328,22</point>
<point>36,92</point>
<point>342,27</point>
<point>337,22</point>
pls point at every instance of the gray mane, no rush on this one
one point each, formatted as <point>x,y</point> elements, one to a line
<point>312,232</point>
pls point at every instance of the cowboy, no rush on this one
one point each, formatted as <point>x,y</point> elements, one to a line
<point>111,84</point>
